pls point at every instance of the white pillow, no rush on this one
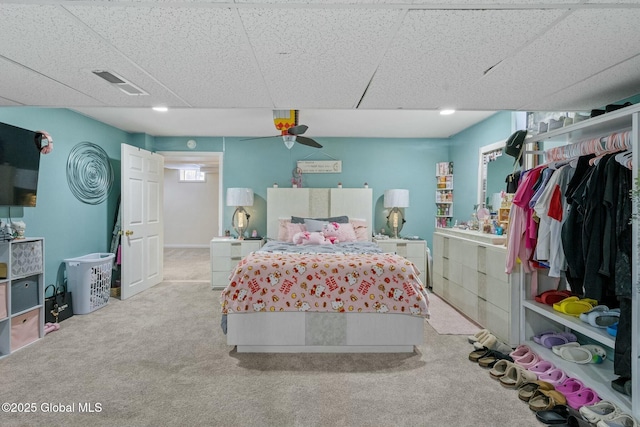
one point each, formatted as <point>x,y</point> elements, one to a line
<point>345,233</point>
<point>360,228</point>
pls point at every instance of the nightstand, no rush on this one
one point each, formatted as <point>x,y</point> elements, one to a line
<point>413,250</point>
<point>225,254</point>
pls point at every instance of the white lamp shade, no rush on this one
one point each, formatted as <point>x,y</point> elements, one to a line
<point>396,198</point>
<point>239,197</point>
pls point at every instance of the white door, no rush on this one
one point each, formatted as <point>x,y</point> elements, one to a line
<point>141,218</point>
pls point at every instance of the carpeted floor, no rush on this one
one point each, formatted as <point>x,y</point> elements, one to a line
<point>447,320</point>
<point>186,264</point>
<point>160,359</point>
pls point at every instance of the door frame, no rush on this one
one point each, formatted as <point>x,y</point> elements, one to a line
<point>187,157</point>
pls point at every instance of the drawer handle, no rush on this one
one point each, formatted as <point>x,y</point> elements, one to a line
<point>234,258</point>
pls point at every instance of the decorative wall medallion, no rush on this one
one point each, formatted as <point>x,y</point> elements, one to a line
<point>89,173</point>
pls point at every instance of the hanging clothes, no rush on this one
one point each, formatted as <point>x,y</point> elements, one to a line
<point>520,237</point>
<point>115,236</point>
<point>550,208</point>
<point>571,234</point>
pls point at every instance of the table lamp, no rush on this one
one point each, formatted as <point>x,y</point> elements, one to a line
<point>240,197</point>
<point>396,199</point>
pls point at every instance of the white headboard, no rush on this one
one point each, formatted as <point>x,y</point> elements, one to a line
<point>317,203</point>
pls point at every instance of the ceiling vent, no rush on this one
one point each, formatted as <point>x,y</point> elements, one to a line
<point>117,81</point>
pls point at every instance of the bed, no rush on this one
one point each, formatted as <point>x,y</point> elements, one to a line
<point>341,298</point>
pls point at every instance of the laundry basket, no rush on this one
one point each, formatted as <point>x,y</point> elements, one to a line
<point>89,281</point>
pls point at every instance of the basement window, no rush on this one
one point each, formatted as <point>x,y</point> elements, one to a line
<point>192,175</point>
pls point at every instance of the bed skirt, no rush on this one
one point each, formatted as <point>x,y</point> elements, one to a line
<point>320,332</point>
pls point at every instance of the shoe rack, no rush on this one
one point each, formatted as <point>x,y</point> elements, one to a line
<point>537,317</point>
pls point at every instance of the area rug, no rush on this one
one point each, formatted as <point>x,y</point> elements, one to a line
<point>446,320</point>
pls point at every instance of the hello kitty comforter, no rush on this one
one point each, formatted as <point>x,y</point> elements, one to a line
<point>325,282</point>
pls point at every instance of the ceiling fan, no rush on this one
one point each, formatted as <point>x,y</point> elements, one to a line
<point>286,121</point>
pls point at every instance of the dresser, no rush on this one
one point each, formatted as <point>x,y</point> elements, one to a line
<point>413,250</point>
<point>225,254</point>
<point>469,273</point>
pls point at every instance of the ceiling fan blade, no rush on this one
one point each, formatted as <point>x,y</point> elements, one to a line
<point>261,137</point>
<point>297,130</point>
<point>307,141</point>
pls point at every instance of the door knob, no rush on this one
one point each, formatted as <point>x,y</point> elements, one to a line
<point>128,233</point>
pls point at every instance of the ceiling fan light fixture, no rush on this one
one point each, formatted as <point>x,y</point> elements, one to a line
<point>288,140</point>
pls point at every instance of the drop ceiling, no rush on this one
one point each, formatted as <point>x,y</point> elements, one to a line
<point>353,67</point>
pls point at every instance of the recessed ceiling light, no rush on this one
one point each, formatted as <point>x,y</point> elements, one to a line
<point>447,112</point>
<point>161,109</point>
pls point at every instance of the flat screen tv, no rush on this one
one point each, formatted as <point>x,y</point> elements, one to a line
<point>19,165</point>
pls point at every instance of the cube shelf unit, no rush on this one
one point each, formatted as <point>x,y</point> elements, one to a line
<point>21,293</point>
<point>444,194</point>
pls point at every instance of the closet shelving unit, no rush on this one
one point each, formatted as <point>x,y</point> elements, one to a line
<point>444,194</point>
<point>536,318</point>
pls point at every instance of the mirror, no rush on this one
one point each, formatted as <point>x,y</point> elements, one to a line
<point>493,168</point>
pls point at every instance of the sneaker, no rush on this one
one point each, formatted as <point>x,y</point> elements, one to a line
<point>555,124</point>
<point>542,127</point>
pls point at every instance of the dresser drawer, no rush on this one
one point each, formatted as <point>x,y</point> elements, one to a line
<point>25,329</point>
<point>26,258</point>
<point>24,294</point>
<point>234,249</point>
<point>219,263</point>
<point>220,279</point>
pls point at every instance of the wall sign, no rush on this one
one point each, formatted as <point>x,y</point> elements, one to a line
<point>320,166</point>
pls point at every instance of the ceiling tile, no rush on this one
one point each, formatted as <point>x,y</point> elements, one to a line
<point>192,51</point>
<point>580,46</point>
<point>298,48</point>
<point>609,86</point>
<point>438,54</point>
<point>70,55</point>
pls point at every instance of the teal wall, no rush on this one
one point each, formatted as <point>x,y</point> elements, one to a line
<point>380,162</point>
<point>72,228</point>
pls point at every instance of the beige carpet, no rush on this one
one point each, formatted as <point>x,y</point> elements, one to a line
<point>187,264</point>
<point>447,320</point>
<point>160,359</point>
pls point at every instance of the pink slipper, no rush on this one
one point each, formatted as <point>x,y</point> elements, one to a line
<point>528,360</point>
<point>553,376</point>
<point>541,367</point>
<point>583,397</point>
<point>520,351</point>
<point>50,327</point>
<point>571,385</point>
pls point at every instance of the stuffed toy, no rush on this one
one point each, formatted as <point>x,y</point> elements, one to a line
<point>310,238</point>
<point>331,232</point>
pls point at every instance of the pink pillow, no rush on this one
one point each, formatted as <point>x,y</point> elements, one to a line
<point>361,230</point>
<point>283,231</point>
<point>345,233</point>
<point>292,229</point>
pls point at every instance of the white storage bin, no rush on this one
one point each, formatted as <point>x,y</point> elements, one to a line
<point>89,281</point>
<point>26,258</point>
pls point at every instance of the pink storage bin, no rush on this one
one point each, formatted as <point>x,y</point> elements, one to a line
<point>25,329</point>
<point>3,300</point>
